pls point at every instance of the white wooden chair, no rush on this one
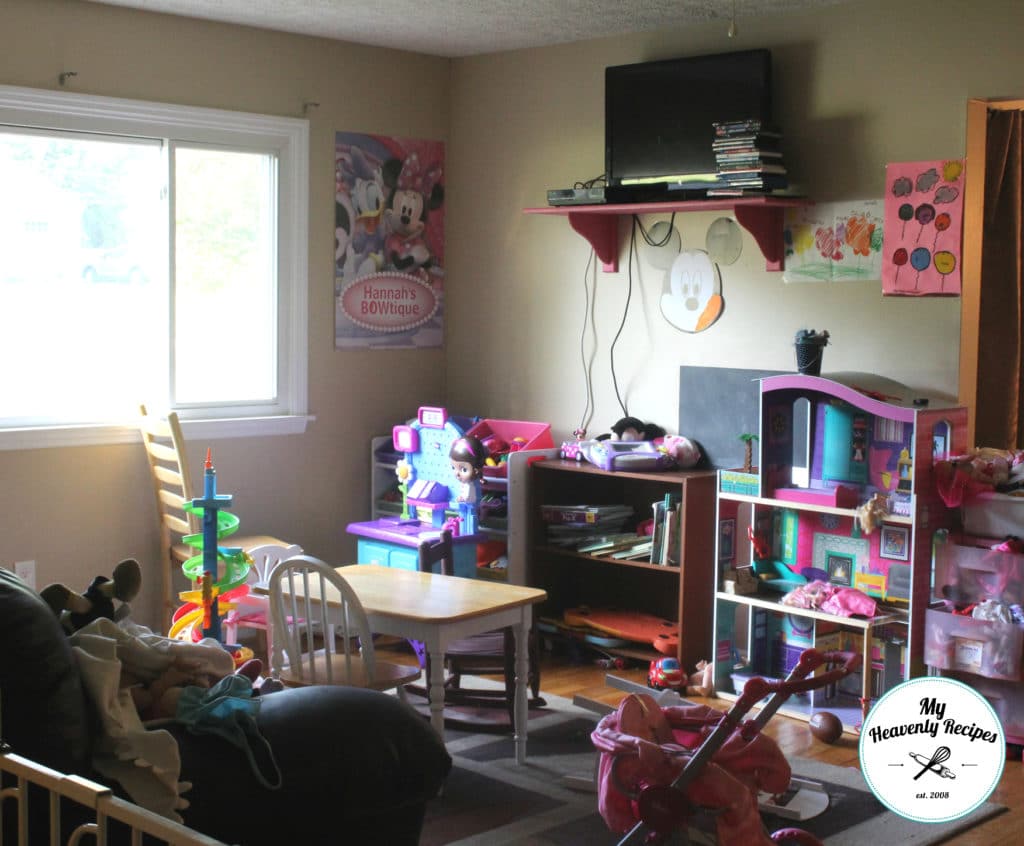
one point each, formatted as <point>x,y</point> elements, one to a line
<point>300,617</point>
<point>172,484</point>
<point>253,610</point>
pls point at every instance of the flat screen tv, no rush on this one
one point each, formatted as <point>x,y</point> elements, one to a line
<point>659,116</point>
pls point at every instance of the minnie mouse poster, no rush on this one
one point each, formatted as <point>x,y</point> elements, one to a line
<point>389,253</point>
<point>415,193</point>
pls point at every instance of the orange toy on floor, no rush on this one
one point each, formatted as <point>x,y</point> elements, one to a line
<point>662,634</point>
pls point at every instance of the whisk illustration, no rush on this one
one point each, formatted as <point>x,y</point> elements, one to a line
<point>934,763</point>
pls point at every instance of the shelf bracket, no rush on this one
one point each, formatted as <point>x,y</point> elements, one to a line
<point>762,217</point>
<point>765,224</point>
<point>602,233</point>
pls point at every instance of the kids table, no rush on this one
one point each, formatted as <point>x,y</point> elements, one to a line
<point>439,610</point>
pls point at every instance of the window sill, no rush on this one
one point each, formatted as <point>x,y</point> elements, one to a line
<point>65,436</point>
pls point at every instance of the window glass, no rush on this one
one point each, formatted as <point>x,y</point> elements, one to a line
<point>83,287</point>
<point>224,308</point>
<point>152,253</point>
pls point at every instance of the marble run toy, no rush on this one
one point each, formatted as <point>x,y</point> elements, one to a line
<point>211,598</point>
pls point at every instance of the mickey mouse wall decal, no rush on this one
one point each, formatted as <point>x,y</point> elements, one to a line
<point>691,298</point>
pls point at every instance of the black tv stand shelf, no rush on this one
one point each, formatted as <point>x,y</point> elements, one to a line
<point>760,216</point>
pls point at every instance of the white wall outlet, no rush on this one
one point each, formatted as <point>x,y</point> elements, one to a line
<point>26,571</point>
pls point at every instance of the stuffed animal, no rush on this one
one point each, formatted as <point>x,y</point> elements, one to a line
<point>154,693</point>
<point>76,610</point>
<point>633,429</point>
<point>683,450</point>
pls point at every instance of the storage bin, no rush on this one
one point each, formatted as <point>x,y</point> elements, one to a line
<point>532,435</point>
<point>994,515</point>
<point>982,647</point>
<point>1007,700</point>
<point>975,573</point>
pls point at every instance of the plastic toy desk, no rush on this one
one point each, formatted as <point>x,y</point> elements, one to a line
<point>394,542</point>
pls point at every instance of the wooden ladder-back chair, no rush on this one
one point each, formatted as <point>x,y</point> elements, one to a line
<point>321,634</point>
<point>489,653</point>
<point>172,484</point>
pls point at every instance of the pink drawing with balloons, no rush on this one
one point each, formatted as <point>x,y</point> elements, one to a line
<point>923,228</point>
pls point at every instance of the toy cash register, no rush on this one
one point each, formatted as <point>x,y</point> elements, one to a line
<point>638,456</point>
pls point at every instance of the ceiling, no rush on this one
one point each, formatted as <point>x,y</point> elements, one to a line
<point>469,27</point>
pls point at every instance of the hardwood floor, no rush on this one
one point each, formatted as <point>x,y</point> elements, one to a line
<point>559,677</point>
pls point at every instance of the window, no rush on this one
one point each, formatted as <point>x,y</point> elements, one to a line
<point>154,254</point>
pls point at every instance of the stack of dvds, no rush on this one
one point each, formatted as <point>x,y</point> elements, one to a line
<point>747,158</point>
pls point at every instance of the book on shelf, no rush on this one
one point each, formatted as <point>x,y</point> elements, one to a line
<point>592,514</point>
<point>639,550</point>
<point>660,538</point>
<point>609,543</point>
<point>584,531</point>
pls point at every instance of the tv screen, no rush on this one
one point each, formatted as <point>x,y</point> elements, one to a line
<point>659,115</point>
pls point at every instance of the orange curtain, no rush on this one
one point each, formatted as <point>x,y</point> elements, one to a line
<point>999,417</point>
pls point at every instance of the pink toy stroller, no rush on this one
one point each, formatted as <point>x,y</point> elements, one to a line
<point>660,766</point>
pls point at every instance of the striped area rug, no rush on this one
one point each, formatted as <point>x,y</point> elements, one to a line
<point>490,801</point>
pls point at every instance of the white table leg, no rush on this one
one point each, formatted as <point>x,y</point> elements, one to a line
<point>522,665</point>
<point>435,685</point>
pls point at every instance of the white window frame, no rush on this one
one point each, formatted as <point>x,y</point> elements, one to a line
<point>289,139</point>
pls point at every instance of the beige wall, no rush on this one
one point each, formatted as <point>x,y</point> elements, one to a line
<point>858,85</point>
<point>79,511</point>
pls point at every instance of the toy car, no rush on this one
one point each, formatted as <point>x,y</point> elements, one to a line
<point>571,451</point>
<point>666,673</point>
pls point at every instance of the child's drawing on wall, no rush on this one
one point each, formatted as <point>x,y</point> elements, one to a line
<point>833,242</point>
<point>923,225</point>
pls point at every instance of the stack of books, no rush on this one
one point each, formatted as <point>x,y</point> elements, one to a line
<point>748,159</point>
<point>572,525</point>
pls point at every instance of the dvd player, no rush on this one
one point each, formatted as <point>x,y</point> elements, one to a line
<point>575,196</point>
<point>658,192</point>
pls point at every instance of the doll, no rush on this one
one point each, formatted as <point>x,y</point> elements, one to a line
<point>702,682</point>
<point>468,456</point>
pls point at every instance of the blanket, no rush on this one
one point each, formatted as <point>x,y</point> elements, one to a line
<point>143,760</point>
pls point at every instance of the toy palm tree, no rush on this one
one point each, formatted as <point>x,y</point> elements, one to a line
<point>748,456</point>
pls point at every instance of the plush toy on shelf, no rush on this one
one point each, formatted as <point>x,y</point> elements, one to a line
<point>642,446</point>
<point>632,429</point>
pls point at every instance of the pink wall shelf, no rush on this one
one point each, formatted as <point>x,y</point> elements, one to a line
<point>762,217</point>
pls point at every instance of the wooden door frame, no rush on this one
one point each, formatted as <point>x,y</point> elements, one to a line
<point>970,261</point>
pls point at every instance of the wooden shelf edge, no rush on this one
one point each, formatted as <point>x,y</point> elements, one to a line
<point>808,506</point>
<point>896,616</point>
<point>762,217</point>
<point>626,562</point>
